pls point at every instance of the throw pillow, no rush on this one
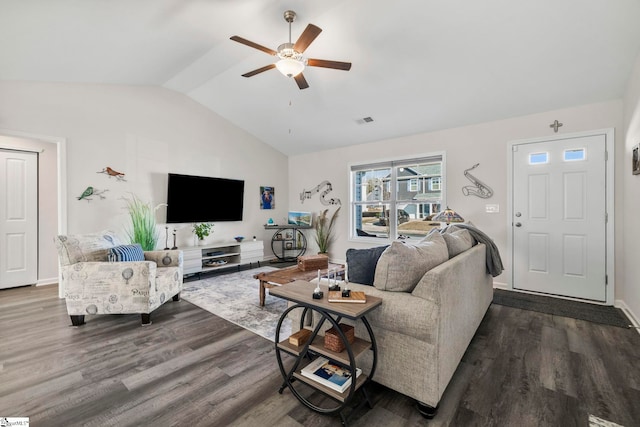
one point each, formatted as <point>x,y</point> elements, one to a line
<point>126,253</point>
<point>361,264</point>
<point>402,265</point>
<point>458,242</point>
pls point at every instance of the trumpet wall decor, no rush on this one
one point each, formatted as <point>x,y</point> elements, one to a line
<point>479,188</point>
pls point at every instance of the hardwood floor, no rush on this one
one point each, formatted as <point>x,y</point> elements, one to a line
<point>191,368</point>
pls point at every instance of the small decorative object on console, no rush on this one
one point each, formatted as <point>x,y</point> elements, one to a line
<point>354,297</point>
<point>300,337</point>
<point>333,286</point>
<point>332,340</point>
<point>312,262</point>
<point>317,293</point>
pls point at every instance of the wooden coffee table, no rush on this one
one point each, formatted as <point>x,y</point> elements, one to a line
<point>286,275</point>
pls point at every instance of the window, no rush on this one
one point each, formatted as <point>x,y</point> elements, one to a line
<point>393,198</point>
<point>435,184</point>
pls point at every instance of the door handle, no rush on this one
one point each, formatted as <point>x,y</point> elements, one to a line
<point>518,224</point>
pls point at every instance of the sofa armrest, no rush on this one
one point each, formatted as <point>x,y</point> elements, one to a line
<point>169,258</point>
<point>463,290</point>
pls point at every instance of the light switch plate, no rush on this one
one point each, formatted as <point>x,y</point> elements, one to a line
<point>492,208</point>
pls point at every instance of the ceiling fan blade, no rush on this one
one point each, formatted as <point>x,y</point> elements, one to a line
<point>337,65</point>
<point>308,35</point>
<point>254,45</point>
<point>302,82</point>
<point>259,70</point>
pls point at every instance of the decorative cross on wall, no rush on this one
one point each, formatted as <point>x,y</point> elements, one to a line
<point>555,125</point>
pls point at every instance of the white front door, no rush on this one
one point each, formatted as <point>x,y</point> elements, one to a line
<point>18,218</point>
<point>559,217</point>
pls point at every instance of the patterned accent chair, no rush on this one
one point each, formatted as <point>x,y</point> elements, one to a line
<point>92,285</point>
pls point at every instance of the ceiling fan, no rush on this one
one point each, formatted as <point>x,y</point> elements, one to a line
<point>292,62</point>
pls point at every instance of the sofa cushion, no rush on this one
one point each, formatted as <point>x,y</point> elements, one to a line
<point>126,253</point>
<point>361,264</point>
<point>402,265</point>
<point>458,241</point>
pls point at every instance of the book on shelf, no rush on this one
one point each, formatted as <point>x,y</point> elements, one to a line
<point>329,374</point>
<point>356,296</point>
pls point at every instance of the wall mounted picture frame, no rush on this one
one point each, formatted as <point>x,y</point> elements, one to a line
<point>267,197</point>
<point>302,219</point>
<point>635,160</point>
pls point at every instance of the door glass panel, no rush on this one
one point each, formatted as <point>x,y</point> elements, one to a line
<point>538,158</point>
<point>574,155</point>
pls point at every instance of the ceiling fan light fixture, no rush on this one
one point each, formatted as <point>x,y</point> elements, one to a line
<point>290,67</point>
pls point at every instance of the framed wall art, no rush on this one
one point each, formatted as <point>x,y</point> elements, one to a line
<point>267,200</point>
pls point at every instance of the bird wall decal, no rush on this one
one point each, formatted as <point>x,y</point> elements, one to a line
<point>111,172</point>
<point>90,191</point>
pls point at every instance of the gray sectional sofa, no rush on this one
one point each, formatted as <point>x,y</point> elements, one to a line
<point>422,329</point>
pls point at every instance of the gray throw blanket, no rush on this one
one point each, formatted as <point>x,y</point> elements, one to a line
<point>494,262</point>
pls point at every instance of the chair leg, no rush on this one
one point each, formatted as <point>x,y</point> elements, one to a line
<point>427,411</point>
<point>77,320</point>
<point>146,319</point>
<point>176,297</point>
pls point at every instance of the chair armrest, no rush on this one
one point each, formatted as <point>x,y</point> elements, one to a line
<point>105,277</point>
<point>170,258</point>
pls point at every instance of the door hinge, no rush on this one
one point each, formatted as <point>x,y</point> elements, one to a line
<point>606,279</point>
<point>606,156</point>
<point>606,218</point>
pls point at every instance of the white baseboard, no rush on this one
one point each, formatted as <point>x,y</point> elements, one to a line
<point>628,312</point>
<point>49,281</point>
<point>500,285</point>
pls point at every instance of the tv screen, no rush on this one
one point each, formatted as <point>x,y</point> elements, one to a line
<point>204,199</point>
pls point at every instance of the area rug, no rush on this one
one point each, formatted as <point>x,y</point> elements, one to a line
<point>603,314</point>
<point>234,297</point>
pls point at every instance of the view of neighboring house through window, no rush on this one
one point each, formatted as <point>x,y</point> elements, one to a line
<point>396,198</point>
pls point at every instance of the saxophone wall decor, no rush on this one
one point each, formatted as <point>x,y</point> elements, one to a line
<point>478,188</point>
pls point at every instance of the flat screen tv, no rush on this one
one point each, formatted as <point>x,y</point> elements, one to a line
<point>203,199</point>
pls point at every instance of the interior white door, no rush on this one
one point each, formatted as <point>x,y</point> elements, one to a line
<point>18,218</point>
<point>559,217</point>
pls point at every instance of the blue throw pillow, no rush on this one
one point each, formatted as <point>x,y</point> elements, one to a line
<point>126,253</point>
<point>361,264</point>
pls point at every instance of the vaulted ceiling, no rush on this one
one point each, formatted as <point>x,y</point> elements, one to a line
<point>418,65</point>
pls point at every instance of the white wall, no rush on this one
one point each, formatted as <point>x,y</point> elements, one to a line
<point>484,143</point>
<point>630,195</point>
<point>144,132</point>
<point>47,202</point>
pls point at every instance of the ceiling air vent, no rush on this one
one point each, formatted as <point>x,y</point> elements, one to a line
<point>364,120</point>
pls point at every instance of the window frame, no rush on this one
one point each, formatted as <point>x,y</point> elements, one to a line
<point>393,163</point>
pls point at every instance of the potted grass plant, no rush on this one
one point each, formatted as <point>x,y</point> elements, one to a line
<point>324,230</point>
<point>143,223</point>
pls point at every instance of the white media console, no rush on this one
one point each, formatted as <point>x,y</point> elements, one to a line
<point>200,259</point>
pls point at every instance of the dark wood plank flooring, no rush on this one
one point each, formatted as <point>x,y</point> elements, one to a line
<point>191,368</point>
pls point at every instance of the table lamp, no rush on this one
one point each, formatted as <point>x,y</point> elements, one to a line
<point>448,215</point>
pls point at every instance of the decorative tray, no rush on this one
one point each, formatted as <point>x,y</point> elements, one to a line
<point>215,263</point>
